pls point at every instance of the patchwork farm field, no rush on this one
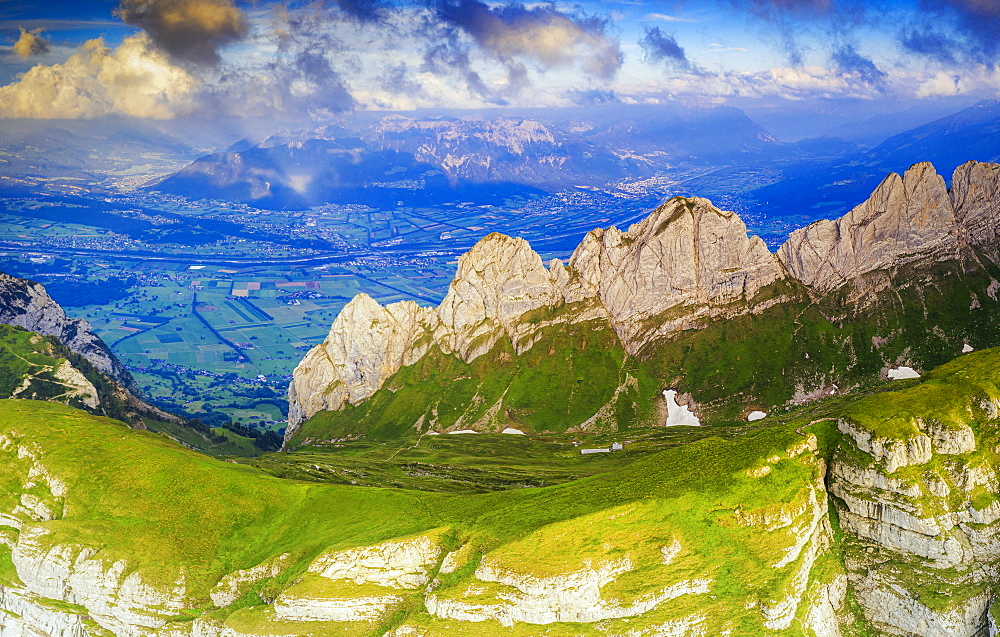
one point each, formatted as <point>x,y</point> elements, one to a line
<point>219,343</point>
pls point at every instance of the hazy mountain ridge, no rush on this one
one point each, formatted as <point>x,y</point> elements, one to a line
<point>946,142</point>
<point>469,152</point>
<point>660,288</point>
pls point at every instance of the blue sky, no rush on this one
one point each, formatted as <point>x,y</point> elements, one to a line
<point>169,58</point>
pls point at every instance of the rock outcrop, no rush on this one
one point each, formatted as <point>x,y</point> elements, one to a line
<point>367,344</point>
<point>26,304</point>
<point>908,218</point>
<point>975,197</point>
<point>916,495</point>
<point>685,262</point>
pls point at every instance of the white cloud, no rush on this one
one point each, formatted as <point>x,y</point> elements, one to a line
<point>133,79</point>
<point>668,18</point>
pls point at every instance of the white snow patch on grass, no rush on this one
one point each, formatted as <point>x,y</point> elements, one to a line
<point>511,430</point>
<point>968,348</point>
<point>900,373</point>
<point>756,415</point>
<point>678,414</point>
<point>464,431</point>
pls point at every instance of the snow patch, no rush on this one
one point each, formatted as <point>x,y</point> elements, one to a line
<point>464,431</point>
<point>900,373</point>
<point>678,414</point>
<point>511,430</point>
<point>968,348</point>
<point>756,415</point>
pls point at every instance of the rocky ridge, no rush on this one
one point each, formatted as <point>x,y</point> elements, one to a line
<point>676,261</point>
<point>685,265</point>
<point>26,304</point>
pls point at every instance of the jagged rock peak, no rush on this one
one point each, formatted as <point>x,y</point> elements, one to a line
<point>26,304</point>
<point>975,196</point>
<point>905,218</point>
<point>366,345</point>
<point>496,282</point>
<point>686,253</point>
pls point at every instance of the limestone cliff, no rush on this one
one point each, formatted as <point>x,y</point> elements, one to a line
<point>915,486</point>
<point>367,344</point>
<point>26,304</point>
<point>906,219</point>
<point>685,262</point>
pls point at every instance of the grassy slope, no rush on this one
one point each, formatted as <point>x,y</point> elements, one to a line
<point>27,355</point>
<point>134,489</point>
<point>561,381</point>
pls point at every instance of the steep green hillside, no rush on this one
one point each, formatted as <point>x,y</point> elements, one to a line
<point>39,367</point>
<point>92,484</point>
<point>726,530</point>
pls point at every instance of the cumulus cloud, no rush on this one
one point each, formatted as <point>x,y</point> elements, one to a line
<point>542,34</point>
<point>189,30</point>
<point>133,79</point>
<point>29,43</point>
<point>660,47</point>
<point>849,61</point>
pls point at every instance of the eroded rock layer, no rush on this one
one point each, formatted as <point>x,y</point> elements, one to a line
<point>26,304</point>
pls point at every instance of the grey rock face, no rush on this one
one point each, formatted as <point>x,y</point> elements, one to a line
<point>975,196</point>
<point>686,260</point>
<point>367,344</point>
<point>27,304</point>
<point>497,281</point>
<point>907,501</point>
<point>906,218</point>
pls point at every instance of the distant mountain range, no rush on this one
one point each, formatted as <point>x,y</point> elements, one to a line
<point>421,159</point>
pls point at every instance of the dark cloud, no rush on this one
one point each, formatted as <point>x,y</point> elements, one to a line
<point>956,30</point>
<point>189,30</point>
<point>542,34</point>
<point>30,43</point>
<point>931,43</point>
<point>364,10</point>
<point>662,47</point>
<point>848,60</point>
<point>789,21</point>
<point>448,57</point>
